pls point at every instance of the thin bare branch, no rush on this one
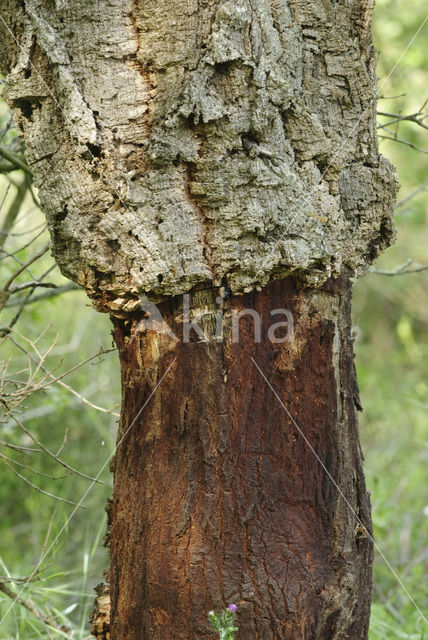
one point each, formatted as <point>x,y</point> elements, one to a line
<point>412,195</point>
<point>33,195</point>
<point>15,159</point>
<point>7,128</point>
<point>25,246</point>
<point>34,486</point>
<point>24,579</point>
<point>400,95</point>
<point>400,270</point>
<point>64,442</point>
<point>16,447</point>
<point>38,473</point>
<point>66,386</point>
<point>417,118</point>
<point>24,266</point>
<point>405,142</point>
<point>387,604</point>
<point>27,604</point>
<point>13,212</point>
<point>33,284</point>
<point>50,453</point>
<point>27,231</point>
<point>6,193</point>
<point>71,286</point>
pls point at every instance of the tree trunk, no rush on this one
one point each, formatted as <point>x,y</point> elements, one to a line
<point>227,148</point>
<point>226,492</point>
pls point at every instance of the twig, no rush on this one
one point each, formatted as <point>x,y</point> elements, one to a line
<point>66,386</point>
<point>405,142</point>
<point>400,270</point>
<point>64,442</point>
<point>417,118</point>
<point>14,257</point>
<point>411,195</point>
<point>71,286</point>
<point>34,284</point>
<point>14,159</point>
<point>8,127</point>
<point>27,231</point>
<point>46,493</point>
<point>48,452</point>
<point>24,266</point>
<point>401,95</point>
<point>27,604</point>
<point>5,293</point>
<point>387,604</point>
<point>25,579</point>
<point>38,473</point>
<point>6,193</point>
<point>13,212</point>
<point>10,255</point>
<point>33,195</point>
<point>16,447</point>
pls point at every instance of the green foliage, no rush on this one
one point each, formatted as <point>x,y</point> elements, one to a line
<point>34,528</point>
<point>391,314</point>
<point>224,622</point>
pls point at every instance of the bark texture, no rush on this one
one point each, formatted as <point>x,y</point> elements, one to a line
<point>217,496</point>
<point>221,147</point>
<point>184,142</point>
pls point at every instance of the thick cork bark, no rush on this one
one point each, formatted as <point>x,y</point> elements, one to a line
<point>182,142</point>
<point>217,144</point>
<point>219,498</point>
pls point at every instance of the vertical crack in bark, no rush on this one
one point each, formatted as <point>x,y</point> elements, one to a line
<point>134,13</point>
<point>195,194</point>
<point>312,196</point>
<point>263,523</point>
<point>221,489</point>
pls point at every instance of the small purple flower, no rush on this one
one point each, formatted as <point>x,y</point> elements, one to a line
<point>233,608</point>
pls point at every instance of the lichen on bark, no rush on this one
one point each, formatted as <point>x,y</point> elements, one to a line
<point>191,143</point>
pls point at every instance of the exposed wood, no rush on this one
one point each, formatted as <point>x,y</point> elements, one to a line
<point>100,617</point>
<point>217,496</point>
<point>218,146</point>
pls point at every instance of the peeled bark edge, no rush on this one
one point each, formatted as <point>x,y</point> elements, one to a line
<point>185,149</point>
<point>125,126</point>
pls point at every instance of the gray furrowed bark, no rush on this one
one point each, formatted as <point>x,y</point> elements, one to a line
<point>191,143</point>
<point>224,148</point>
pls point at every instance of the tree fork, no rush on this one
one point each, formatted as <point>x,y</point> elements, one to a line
<point>218,497</point>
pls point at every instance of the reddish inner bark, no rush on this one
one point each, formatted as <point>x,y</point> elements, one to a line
<point>217,496</point>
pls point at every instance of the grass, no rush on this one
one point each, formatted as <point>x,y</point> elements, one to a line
<point>392,365</point>
<point>391,315</point>
<point>63,598</point>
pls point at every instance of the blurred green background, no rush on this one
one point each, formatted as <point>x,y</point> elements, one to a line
<point>391,328</point>
<point>391,320</point>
